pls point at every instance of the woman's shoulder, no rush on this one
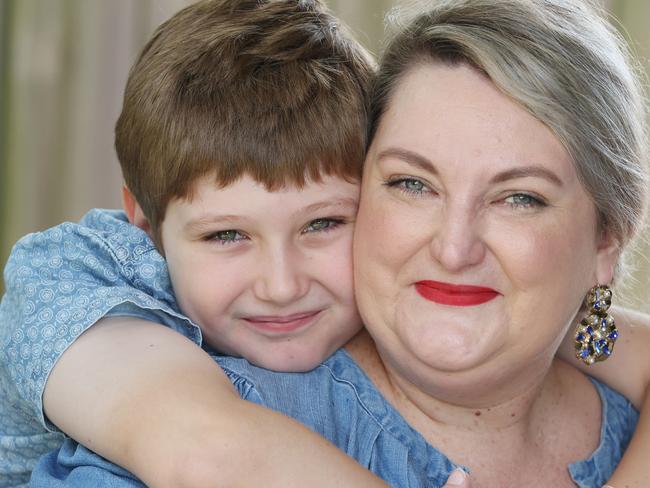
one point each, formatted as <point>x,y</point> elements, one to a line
<point>612,411</point>
<point>599,412</point>
<point>619,419</point>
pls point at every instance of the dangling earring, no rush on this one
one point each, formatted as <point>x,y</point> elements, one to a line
<point>596,333</point>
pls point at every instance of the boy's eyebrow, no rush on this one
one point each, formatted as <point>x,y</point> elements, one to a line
<point>208,219</point>
<point>332,202</point>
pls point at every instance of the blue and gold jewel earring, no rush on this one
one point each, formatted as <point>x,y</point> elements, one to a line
<point>596,333</point>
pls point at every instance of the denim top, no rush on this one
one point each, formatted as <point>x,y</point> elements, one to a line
<point>61,281</point>
<point>338,401</point>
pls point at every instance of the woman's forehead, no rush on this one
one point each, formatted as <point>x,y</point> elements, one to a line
<point>455,114</point>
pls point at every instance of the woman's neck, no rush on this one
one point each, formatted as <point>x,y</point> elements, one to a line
<point>495,400</point>
<point>533,420</point>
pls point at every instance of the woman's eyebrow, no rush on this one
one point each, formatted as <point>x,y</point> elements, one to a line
<point>409,157</point>
<point>526,172</point>
<point>421,162</point>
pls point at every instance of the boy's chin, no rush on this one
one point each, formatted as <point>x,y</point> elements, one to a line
<point>290,363</point>
<point>299,358</point>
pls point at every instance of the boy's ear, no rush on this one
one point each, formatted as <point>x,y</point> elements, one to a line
<point>609,251</point>
<point>133,211</point>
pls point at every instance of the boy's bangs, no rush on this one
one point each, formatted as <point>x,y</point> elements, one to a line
<point>278,91</point>
<point>274,165</point>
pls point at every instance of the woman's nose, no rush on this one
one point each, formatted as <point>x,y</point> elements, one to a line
<point>281,278</point>
<point>456,242</point>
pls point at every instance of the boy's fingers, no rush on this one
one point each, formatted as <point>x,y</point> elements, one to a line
<point>458,478</point>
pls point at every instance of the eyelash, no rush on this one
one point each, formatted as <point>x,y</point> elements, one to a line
<point>235,236</point>
<point>332,223</point>
<point>533,201</point>
<point>219,237</point>
<point>402,182</point>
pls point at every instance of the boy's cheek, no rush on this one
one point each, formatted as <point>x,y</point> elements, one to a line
<point>336,267</point>
<point>194,276</point>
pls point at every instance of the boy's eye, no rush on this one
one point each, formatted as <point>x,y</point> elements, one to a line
<point>226,236</point>
<point>319,225</point>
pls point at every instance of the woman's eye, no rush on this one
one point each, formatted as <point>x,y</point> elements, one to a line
<point>409,185</point>
<point>523,200</point>
<point>319,225</point>
<point>226,236</point>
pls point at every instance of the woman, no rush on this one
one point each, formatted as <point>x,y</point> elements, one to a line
<point>506,160</point>
<point>503,180</point>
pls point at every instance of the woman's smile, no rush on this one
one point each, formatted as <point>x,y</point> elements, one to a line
<point>455,295</point>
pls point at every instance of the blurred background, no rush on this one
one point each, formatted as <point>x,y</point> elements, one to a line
<point>64,64</point>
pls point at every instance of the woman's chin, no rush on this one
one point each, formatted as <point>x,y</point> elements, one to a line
<point>451,350</point>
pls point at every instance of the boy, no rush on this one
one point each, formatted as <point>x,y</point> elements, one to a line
<point>234,108</point>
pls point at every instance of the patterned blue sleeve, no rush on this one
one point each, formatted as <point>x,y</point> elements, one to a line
<point>62,281</point>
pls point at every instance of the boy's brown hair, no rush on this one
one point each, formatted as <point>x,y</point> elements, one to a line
<point>275,89</point>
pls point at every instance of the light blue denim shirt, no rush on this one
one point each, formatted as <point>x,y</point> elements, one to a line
<point>61,281</point>
<point>338,401</point>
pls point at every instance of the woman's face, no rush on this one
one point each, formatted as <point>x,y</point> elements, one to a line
<point>475,241</point>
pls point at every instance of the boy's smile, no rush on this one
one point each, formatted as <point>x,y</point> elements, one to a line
<point>267,275</point>
<point>282,324</point>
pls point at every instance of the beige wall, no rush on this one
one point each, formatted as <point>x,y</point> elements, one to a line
<point>634,21</point>
<point>64,65</point>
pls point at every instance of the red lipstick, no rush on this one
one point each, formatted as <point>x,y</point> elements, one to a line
<point>455,295</point>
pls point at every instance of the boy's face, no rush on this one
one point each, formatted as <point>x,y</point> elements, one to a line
<point>267,275</point>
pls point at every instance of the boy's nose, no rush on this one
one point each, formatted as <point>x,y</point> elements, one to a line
<point>281,279</point>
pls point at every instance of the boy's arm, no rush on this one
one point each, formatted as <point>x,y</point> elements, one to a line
<point>627,371</point>
<point>152,401</point>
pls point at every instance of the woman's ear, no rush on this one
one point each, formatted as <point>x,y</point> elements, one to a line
<point>134,212</point>
<point>609,251</point>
